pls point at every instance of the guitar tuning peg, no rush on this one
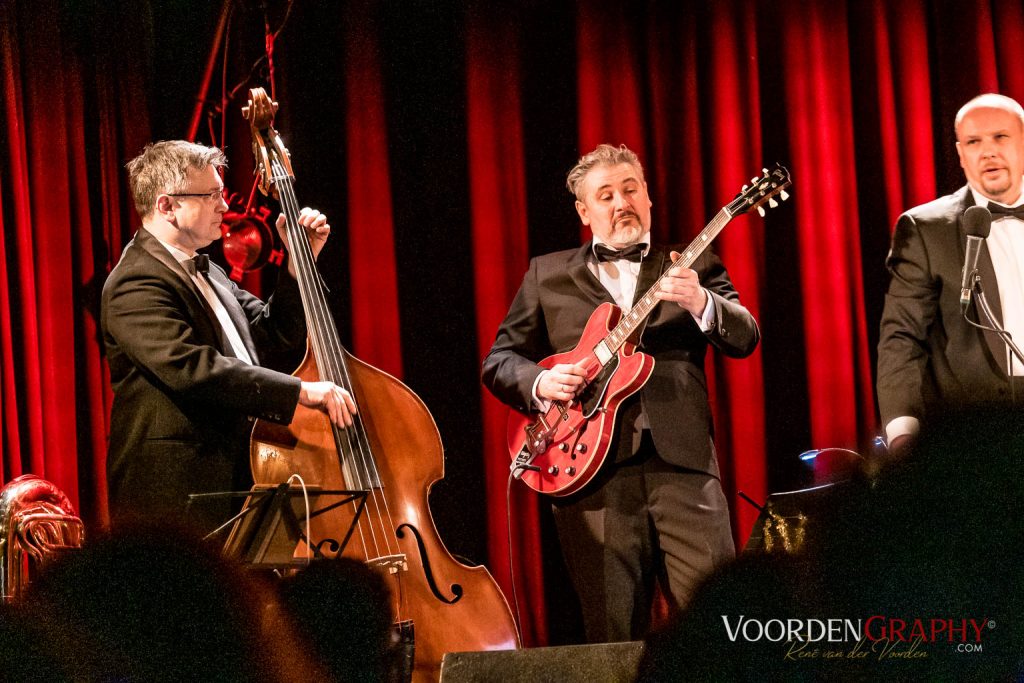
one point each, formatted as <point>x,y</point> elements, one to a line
<point>760,211</point>
<point>754,180</point>
<point>743,189</point>
<point>764,171</point>
<point>772,203</point>
<point>784,195</point>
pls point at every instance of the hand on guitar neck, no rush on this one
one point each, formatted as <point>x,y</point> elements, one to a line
<point>681,285</point>
<point>317,229</point>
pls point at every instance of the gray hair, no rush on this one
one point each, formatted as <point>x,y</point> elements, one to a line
<point>989,100</point>
<point>164,166</point>
<point>604,155</point>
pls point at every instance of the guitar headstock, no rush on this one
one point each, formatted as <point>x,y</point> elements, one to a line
<point>762,191</point>
<point>266,143</point>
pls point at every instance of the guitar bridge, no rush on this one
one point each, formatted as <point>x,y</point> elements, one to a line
<point>538,438</point>
<point>537,435</point>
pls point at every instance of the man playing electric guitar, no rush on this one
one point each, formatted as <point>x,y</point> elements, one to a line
<point>656,508</point>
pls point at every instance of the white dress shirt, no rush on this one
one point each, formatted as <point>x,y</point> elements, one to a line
<point>206,288</point>
<point>620,278</point>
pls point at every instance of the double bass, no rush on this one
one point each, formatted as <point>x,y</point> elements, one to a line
<point>392,452</point>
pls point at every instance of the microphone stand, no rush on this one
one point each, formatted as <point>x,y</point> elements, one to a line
<point>993,326</point>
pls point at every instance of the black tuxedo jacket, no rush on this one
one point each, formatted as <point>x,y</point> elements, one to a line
<point>551,309</point>
<point>183,403</point>
<point>928,355</point>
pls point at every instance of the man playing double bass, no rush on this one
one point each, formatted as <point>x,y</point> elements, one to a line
<point>657,507</point>
<point>183,345</point>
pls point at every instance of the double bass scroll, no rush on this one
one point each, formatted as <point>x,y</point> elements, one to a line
<point>393,451</point>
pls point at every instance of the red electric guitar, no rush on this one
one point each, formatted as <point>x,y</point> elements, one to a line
<point>558,452</point>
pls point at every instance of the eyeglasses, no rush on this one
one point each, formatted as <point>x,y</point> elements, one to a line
<point>212,195</point>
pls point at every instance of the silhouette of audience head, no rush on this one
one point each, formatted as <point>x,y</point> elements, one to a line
<point>149,604</point>
<point>342,609</point>
<point>926,552</point>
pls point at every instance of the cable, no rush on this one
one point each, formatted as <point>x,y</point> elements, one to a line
<point>511,564</point>
<point>309,526</point>
<point>263,58</point>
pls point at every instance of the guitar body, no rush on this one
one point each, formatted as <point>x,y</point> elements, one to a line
<point>579,434</point>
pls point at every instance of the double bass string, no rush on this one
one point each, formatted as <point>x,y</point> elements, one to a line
<point>316,311</point>
<point>330,365</point>
<point>328,353</point>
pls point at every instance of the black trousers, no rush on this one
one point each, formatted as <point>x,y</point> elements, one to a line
<point>641,520</point>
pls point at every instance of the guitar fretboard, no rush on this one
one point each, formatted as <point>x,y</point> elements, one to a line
<point>632,321</point>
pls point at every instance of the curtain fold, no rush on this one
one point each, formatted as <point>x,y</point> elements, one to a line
<point>68,123</point>
<point>376,329</point>
<point>734,133</point>
<point>497,194</point>
<point>820,120</point>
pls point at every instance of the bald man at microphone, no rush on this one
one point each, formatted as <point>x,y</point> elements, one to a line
<point>931,358</point>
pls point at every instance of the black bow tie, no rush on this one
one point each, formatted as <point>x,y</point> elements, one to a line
<point>633,252</point>
<point>200,263</point>
<point>998,210</point>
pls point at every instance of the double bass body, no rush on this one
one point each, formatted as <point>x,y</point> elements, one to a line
<point>452,607</point>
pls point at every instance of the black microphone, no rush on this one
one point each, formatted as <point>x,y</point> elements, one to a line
<point>977,224</point>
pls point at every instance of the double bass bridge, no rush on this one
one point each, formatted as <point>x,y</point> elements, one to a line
<point>392,564</point>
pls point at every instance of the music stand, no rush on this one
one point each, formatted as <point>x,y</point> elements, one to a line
<point>268,529</point>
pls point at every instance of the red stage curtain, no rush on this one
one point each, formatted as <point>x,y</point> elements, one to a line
<point>900,51</point>
<point>820,121</point>
<point>69,114</point>
<point>376,337</point>
<point>733,135</point>
<point>497,191</point>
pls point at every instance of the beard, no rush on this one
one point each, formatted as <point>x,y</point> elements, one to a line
<point>626,233</point>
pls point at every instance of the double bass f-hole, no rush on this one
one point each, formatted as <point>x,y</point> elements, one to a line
<point>392,451</point>
<point>455,588</point>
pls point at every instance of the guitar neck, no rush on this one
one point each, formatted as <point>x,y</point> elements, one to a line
<point>632,321</point>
